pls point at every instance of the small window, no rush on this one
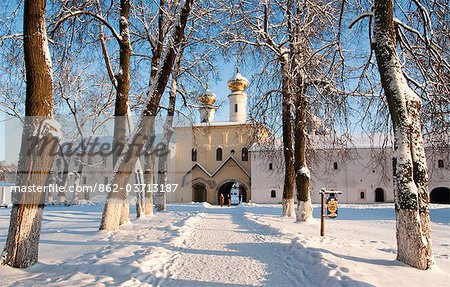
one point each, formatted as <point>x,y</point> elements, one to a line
<point>232,151</point>
<point>335,165</point>
<point>270,166</point>
<point>106,180</point>
<point>273,194</point>
<point>235,108</point>
<point>440,163</point>
<point>194,154</point>
<point>394,166</point>
<point>362,195</point>
<point>245,154</point>
<point>84,180</point>
<point>219,154</point>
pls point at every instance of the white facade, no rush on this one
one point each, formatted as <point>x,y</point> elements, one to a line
<point>364,175</point>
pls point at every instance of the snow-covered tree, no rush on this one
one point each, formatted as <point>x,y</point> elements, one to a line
<point>36,156</point>
<point>302,38</point>
<point>411,178</point>
<point>125,164</point>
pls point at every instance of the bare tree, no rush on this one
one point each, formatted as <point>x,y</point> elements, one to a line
<point>22,243</point>
<point>111,213</point>
<point>157,43</point>
<point>411,178</point>
<point>12,68</point>
<point>121,81</point>
<point>160,202</point>
<point>83,101</point>
<point>302,39</point>
<point>412,62</point>
<point>193,59</point>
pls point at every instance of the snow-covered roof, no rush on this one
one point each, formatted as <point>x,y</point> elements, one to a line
<point>230,158</point>
<point>271,143</point>
<point>214,124</point>
<point>328,142</point>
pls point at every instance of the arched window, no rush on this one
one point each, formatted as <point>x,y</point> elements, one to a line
<point>273,193</point>
<point>245,154</point>
<point>335,165</point>
<point>440,163</point>
<point>219,154</point>
<point>194,154</point>
<point>270,166</point>
<point>362,195</point>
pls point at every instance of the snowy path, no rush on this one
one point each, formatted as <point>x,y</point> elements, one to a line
<point>226,248</point>
<point>204,245</point>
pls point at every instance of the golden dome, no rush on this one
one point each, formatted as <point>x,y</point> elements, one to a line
<point>208,98</point>
<point>238,83</point>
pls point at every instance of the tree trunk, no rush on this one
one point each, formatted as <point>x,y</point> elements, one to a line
<point>288,145</point>
<point>63,178</point>
<point>140,211</point>
<point>77,175</point>
<point>411,179</point>
<point>302,174</point>
<point>168,132</point>
<point>121,104</point>
<point>35,160</point>
<point>141,134</point>
<point>158,198</point>
<point>148,179</point>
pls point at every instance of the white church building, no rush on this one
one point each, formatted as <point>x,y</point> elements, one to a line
<point>223,153</point>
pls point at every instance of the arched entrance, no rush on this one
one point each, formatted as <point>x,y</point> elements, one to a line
<point>227,187</point>
<point>198,193</point>
<point>440,195</point>
<point>379,195</point>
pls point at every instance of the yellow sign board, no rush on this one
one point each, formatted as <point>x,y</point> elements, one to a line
<point>332,207</point>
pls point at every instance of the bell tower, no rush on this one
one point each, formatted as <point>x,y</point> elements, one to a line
<point>238,98</point>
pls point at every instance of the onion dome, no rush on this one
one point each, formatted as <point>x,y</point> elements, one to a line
<point>238,83</point>
<point>208,98</point>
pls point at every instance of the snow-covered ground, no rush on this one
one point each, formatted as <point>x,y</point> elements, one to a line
<point>203,245</point>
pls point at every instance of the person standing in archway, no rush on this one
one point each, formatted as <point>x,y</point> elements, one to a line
<point>221,199</point>
<point>228,200</point>
<point>240,198</point>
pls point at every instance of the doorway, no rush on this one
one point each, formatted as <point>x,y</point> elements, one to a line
<point>232,187</point>
<point>379,195</point>
<point>440,195</point>
<point>199,193</point>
